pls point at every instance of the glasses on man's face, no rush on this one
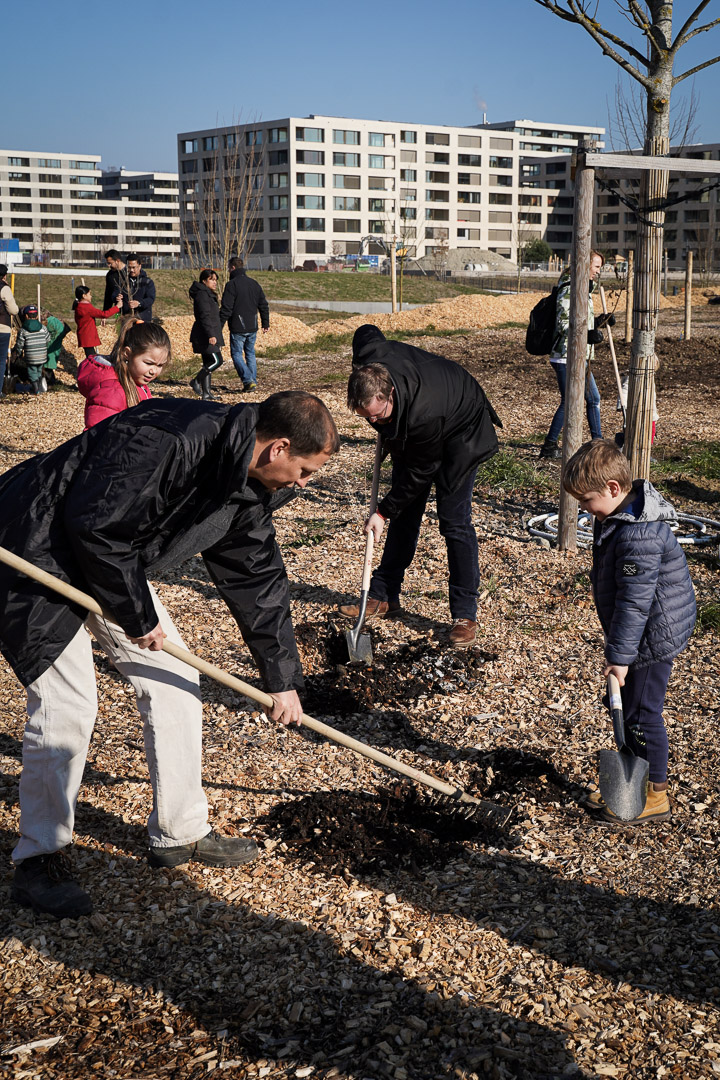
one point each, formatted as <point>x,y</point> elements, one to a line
<point>378,417</point>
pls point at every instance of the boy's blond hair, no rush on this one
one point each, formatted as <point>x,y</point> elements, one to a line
<point>593,465</point>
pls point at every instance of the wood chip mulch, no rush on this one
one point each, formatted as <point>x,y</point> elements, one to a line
<point>380,934</point>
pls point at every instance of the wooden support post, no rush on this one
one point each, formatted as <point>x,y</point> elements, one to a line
<point>577,340</point>
<point>665,262</point>
<point>393,274</point>
<point>38,302</point>
<point>629,291</point>
<point>687,332</point>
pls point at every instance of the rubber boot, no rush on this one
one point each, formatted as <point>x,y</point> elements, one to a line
<point>550,449</point>
<point>201,384</point>
<point>36,386</point>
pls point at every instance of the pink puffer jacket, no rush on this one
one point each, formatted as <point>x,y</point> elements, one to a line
<point>100,386</point>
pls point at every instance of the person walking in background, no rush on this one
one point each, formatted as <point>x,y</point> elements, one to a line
<point>85,316</point>
<point>32,347</point>
<point>8,308</point>
<point>242,299</point>
<point>138,291</point>
<point>115,277</point>
<point>558,357</point>
<point>112,383</point>
<point>206,335</point>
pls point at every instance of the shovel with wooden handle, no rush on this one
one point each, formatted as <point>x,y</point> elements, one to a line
<point>359,645</point>
<point>614,357</point>
<point>623,777</point>
<point>480,810</point>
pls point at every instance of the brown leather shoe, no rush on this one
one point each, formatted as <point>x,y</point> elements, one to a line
<point>462,633</point>
<point>376,609</point>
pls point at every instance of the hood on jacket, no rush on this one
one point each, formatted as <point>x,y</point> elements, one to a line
<point>198,287</point>
<point>365,335</point>
<point>32,325</point>
<point>650,505</point>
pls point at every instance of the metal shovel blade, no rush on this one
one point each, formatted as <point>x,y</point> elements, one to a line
<point>359,645</point>
<point>623,782</point>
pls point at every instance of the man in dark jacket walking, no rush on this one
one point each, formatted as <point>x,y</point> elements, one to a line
<point>437,425</point>
<point>115,278</point>
<point>242,299</point>
<point>138,291</point>
<point>141,492</point>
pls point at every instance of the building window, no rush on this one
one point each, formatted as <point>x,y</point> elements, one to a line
<point>408,213</point>
<point>279,179</point>
<point>279,247</point>
<point>376,161</point>
<point>408,136</point>
<point>252,138</point>
<point>467,178</point>
<point>341,181</point>
<point>21,207</point>
<point>311,202</point>
<point>499,199</point>
<point>376,206</point>
<point>376,138</point>
<point>433,195</point>
<point>408,194</point>
<point>278,224</point>
<point>82,165</point>
<point>409,175</point>
<point>346,202</point>
<point>276,135</point>
<point>469,140</point>
<point>311,224</point>
<point>436,177</point>
<point>310,179</point>
<point>555,167</point>
<point>309,134</point>
<point>381,183</point>
<point>210,142</point>
<point>408,156</point>
<point>469,197</point>
<point>46,163</point>
<point>376,225</point>
<point>469,159</point>
<point>434,158</point>
<point>311,247</point>
<point>437,138</point>
<point>346,225</point>
<point>432,214</point>
<point>498,180</point>
<point>346,138</point>
<point>277,157</point>
<point>310,157</point>
<point>351,161</point>
<point>26,177</point>
<point>22,162</point>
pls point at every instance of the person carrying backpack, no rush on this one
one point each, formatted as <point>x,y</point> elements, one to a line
<point>558,357</point>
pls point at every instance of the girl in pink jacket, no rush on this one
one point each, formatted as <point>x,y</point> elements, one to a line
<point>111,384</point>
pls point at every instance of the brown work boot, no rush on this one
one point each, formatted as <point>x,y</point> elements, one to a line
<point>376,609</point>
<point>462,633</point>
<point>657,807</point>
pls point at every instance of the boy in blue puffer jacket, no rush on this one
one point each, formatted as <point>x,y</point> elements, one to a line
<point>644,599</point>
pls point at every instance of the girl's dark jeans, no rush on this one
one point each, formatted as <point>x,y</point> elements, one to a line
<point>592,405</point>
<point>455,520</point>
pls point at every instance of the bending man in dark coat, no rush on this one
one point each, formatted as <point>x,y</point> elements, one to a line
<point>437,426</point>
<point>141,492</point>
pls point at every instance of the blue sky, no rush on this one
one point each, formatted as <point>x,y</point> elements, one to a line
<point>121,80</point>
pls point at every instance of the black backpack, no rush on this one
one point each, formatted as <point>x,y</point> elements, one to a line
<point>540,333</point>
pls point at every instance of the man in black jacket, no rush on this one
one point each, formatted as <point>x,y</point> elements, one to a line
<point>437,425</point>
<point>138,291</point>
<point>115,278</point>
<point>242,298</point>
<point>141,492</point>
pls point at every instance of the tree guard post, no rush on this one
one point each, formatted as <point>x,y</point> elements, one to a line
<point>687,330</point>
<point>629,286</point>
<point>577,338</point>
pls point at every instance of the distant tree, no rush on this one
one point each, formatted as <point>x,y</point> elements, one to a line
<point>651,64</point>
<point>536,251</point>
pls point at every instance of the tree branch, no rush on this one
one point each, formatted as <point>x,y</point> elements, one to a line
<point>692,17</point>
<point>644,24</point>
<point>578,16</point>
<point>700,30</point>
<point>693,71</point>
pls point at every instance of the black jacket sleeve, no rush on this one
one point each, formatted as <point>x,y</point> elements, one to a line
<point>148,296</point>
<point>111,289</point>
<point>416,468</point>
<point>227,303</point>
<point>247,567</point>
<point>263,308</point>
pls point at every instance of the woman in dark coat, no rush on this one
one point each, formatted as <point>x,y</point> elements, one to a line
<point>206,334</point>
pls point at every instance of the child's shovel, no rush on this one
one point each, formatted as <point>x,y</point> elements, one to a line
<point>623,776</point>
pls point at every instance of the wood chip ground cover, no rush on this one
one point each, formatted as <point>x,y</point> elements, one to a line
<point>377,937</point>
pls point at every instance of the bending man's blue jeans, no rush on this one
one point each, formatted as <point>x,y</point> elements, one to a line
<point>4,350</point>
<point>244,344</point>
<point>455,520</point>
<point>592,405</point>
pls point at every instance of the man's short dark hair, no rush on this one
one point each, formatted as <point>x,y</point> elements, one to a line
<point>236,263</point>
<point>300,417</point>
<point>3,270</point>
<point>134,258</point>
<point>366,383</point>
<point>113,254</point>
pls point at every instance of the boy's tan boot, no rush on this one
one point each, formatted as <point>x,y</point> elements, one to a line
<point>657,806</point>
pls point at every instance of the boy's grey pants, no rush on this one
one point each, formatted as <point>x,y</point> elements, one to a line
<point>62,707</point>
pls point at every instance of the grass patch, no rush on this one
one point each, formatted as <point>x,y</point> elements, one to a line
<point>708,617</point>
<point>699,460</point>
<point>331,342</point>
<point>511,326</point>
<point>510,474</point>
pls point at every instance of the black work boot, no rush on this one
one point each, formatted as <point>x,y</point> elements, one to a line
<point>45,884</point>
<point>550,449</point>
<point>213,849</point>
<point>201,384</point>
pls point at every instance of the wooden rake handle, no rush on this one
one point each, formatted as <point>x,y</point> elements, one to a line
<point>226,679</point>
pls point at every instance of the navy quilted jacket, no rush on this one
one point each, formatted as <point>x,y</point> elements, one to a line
<point>641,582</point>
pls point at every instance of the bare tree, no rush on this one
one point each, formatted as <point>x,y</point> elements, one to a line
<point>223,217</point>
<point>652,67</point>
<point>628,119</point>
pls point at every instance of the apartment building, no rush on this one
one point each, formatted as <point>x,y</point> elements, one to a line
<point>64,212</point>
<point>692,224</point>
<point>332,186</point>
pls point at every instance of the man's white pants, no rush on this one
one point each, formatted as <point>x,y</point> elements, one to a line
<point>62,707</point>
